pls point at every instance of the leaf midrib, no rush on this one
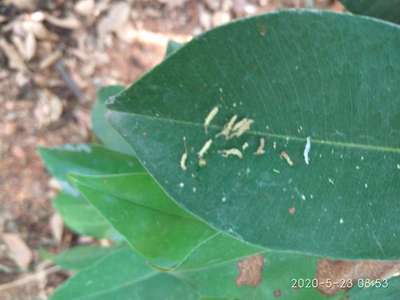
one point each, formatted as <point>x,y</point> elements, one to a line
<point>365,147</point>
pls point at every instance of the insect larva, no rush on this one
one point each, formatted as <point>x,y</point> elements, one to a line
<point>260,149</point>
<point>211,115</point>
<point>203,151</point>
<point>286,156</point>
<point>184,156</point>
<point>307,149</point>
<point>241,127</point>
<point>233,152</point>
<point>228,127</point>
<point>183,161</point>
<point>205,148</point>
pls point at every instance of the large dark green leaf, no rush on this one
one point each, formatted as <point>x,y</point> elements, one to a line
<point>383,9</point>
<point>101,127</point>
<point>329,76</point>
<point>124,275</point>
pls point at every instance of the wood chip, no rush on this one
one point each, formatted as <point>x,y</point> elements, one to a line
<point>49,60</point>
<point>85,7</point>
<point>14,59</point>
<point>18,250</point>
<point>66,23</point>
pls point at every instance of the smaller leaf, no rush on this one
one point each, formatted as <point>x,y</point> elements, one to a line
<point>172,47</point>
<point>80,257</point>
<point>81,217</point>
<point>101,127</point>
<point>123,275</point>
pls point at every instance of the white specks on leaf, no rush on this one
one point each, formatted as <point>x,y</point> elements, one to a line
<point>211,115</point>
<point>276,171</point>
<point>181,184</point>
<point>286,157</point>
<point>223,199</point>
<point>303,197</point>
<point>341,221</point>
<point>357,167</point>
<point>231,152</point>
<point>307,149</point>
<point>245,146</point>
<point>274,145</point>
<point>398,166</point>
<point>194,189</point>
<point>260,150</point>
<point>366,185</point>
<point>331,181</point>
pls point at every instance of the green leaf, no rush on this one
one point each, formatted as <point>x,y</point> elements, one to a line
<point>101,127</point>
<point>78,214</point>
<point>86,159</point>
<point>81,217</point>
<point>172,47</point>
<point>333,78</point>
<point>81,257</point>
<point>389,292</point>
<point>141,212</point>
<point>387,10</point>
<point>170,237</point>
<point>124,275</point>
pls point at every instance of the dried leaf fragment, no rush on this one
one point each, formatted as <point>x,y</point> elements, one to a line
<point>345,272</point>
<point>211,115</point>
<point>250,271</point>
<point>231,152</point>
